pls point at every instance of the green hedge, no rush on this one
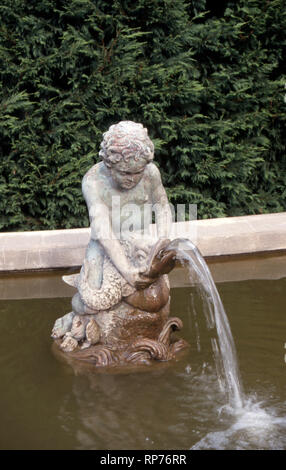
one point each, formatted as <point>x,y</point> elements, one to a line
<point>209,85</point>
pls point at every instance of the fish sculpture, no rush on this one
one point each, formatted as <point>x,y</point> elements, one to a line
<point>123,324</point>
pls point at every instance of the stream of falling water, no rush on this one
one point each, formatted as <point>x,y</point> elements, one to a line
<point>223,346</point>
<point>257,424</point>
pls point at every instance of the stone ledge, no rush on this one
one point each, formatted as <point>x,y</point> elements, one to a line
<point>49,284</point>
<point>229,236</point>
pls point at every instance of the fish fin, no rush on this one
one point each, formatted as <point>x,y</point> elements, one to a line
<point>71,279</point>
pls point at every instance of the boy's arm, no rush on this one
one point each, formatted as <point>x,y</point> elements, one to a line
<point>101,230</point>
<point>160,200</point>
<point>100,223</point>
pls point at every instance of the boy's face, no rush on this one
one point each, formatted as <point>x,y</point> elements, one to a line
<point>128,174</point>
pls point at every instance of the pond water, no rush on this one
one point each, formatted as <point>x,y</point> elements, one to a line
<point>48,404</point>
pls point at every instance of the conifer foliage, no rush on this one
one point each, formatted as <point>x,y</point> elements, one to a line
<point>209,85</point>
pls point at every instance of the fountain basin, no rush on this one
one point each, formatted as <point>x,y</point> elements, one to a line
<point>46,404</point>
<point>188,385</point>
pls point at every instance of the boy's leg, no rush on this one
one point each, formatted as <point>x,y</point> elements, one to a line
<point>94,256</point>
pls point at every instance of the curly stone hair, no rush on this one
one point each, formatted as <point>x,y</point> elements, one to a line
<point>124,141</point>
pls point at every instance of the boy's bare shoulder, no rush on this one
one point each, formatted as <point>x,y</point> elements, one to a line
<point>93,183</point>
<point>153,173</point>
<point>92,172</point>
<point>93,175</point>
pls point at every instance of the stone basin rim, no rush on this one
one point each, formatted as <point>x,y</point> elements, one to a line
<point>218,238</point>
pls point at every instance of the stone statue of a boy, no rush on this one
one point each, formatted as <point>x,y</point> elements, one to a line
<point>128,175</point>
<point>120,314</point>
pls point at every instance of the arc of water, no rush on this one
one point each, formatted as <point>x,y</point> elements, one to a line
<point>224,352</point>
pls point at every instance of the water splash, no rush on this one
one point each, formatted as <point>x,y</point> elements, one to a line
<point>223,347</point>
<point>253,427</point>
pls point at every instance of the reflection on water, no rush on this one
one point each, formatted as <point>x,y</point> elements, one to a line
<point>48,404</point>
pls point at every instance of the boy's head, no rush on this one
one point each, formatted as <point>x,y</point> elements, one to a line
<point>126,149</point>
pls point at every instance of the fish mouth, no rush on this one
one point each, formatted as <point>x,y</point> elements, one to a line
<point>161,260</point>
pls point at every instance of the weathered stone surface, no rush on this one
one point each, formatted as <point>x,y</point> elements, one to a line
<point>25,251</point>
<point>234,268</point>
<point>122,303</point>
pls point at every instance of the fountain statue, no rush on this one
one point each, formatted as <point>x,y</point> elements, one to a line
<point>120,313</point>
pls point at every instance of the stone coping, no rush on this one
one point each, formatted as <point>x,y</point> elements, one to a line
<point>49,284</point>
<point>228,236</point>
